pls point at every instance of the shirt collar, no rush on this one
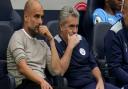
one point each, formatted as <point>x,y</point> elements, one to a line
<point>26,34</point>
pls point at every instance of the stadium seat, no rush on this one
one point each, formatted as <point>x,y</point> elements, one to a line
<point>5,33</point>
<point>87,25</point>
<point>100,31</point>
<point>9,21</point>
<point>99,34</point>
<point>53,26</point>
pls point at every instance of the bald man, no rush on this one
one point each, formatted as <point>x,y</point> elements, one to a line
<point>27,56</point>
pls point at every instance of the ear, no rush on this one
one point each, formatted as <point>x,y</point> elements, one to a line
<point>25,18</point>
<point>60,26</point>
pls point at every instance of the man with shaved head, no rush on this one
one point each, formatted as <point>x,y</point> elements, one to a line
<point>27,56</point>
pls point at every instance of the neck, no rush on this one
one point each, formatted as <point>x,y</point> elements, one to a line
<point>109,10</point>
<point>28,32</point>
<point>64,38</point>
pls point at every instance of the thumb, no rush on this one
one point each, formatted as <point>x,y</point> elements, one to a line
<point>68,36</point>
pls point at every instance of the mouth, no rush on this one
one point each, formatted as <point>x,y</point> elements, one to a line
<point>37,27</point>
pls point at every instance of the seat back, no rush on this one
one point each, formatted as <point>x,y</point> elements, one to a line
<point>9,21</point>
<point>53,26</point>
<point>99,34</point>
<point>87,30</point>
<point>5,10</point>
<point>8,14</point>
<point>5,34</point>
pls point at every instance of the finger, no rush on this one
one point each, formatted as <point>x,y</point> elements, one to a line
<point>68,36</point>
<point>97,87</point>
<point>47,87</point>
<point>43,87</point>
<point>50,87</point>
<point>42,28</point>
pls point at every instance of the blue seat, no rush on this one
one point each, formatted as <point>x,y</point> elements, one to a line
<point>99,34</point>
<point>5,33</point>
<point>87,30</point>
<point>9,21</point>
<point>53,27</point>
<point>7,13</point>
<point>6,9</point>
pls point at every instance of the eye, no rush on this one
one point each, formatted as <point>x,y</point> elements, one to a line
<point>73,26</point>
<point>37,16</point>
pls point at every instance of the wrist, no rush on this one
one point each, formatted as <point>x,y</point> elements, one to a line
<point>70,47</point>
<point>50,38</point>
<point>100,79</point>
<point>41,81</point>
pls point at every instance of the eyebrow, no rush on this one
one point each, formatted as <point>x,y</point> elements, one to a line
<point>72,25</point>
<point>38,15</point>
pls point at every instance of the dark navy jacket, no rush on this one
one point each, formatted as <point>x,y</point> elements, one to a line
<point>118,60</point>
<point>108,40</point>
<point>82,62</point>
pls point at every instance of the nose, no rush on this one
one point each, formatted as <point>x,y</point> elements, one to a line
<point>75,30</point>
<point>40,20</point>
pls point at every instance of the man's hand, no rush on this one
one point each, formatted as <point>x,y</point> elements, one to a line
<point>100,84</point>
<point>43,30</point>
<point>45,85</point>
<point>73,40</point>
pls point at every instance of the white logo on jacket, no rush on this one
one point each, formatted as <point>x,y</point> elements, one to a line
<point>82,51</point>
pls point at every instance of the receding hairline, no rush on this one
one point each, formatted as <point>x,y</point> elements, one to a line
<point>29,4</point>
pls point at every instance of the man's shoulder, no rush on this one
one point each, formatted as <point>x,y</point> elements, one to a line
<point>99,9</point>
<point>99,12</point>
<point>99,15</point>
<point>18,36</point>
<point>18,32</point>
